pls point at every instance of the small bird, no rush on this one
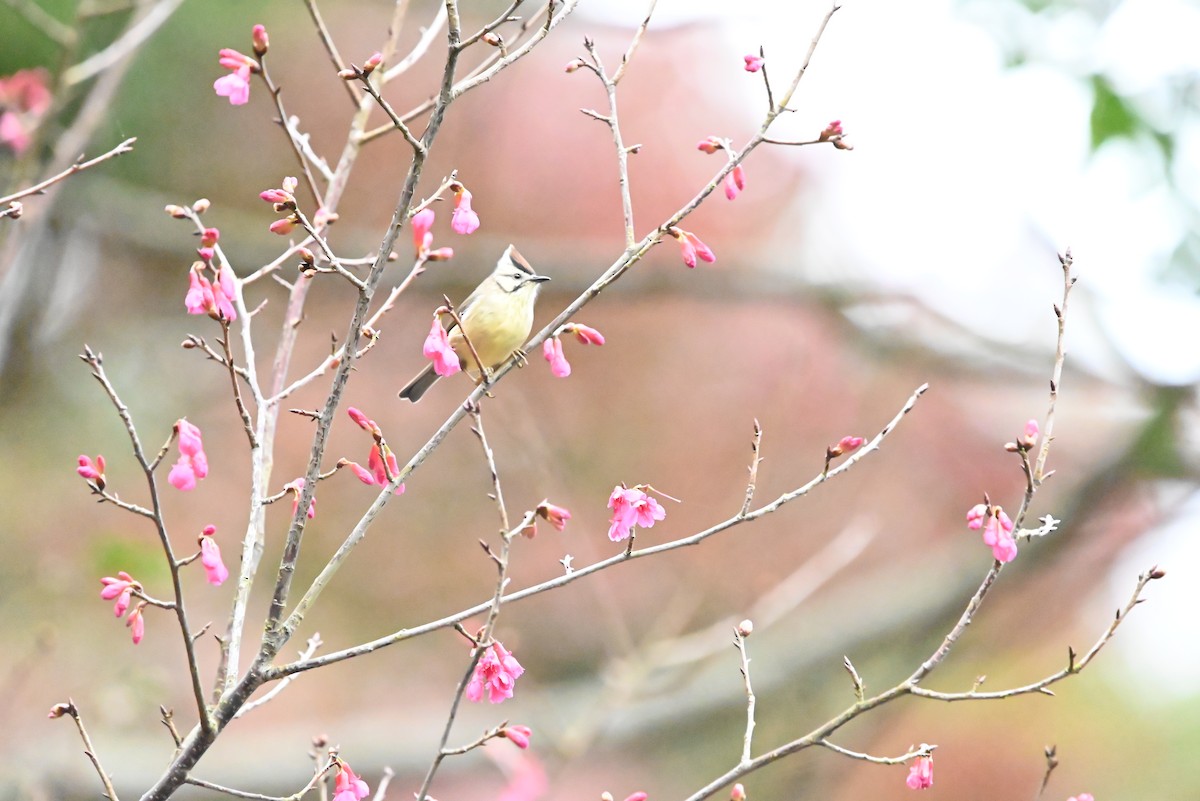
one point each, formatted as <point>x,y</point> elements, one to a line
<point>497,317</point>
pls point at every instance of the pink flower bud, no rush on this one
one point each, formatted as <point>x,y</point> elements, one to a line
<point>519,735</point>
<point>258,34</point>
<point>178,212</point>
<point>735,182</point>
<point>363,422</point>
<point>691,247</point>
<point>440,254</point>
<point>711,145</point>
<point>201,205</point>
<point>586,334</point>
<point>745,628</point>
<point>372,63</point>
<point>845,445</point>
<point>557,515</point>
<point>284,226</point>
<point>136,623</point>
<point>738,793</point>
<point>277,196</point>
<point>573,65</point>
<point>210,557</point>
<point>753,63</point>
<point>289,184</point>
<point>91,471</point>
<point>831,130</point>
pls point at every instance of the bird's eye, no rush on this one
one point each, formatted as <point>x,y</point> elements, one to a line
<point>516,276</point>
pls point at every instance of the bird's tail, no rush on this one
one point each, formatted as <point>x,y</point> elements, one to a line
<point>418,386</point>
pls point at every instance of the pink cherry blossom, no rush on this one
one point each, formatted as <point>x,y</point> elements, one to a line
<point>193,462</point>
<point>585,334</point>
<point>92,471</point>
<point>496,672</point>
<point>519,735</point>
<point>735,182</point>
<point>210,557</point>
<point>997,530</point>
<point>556,515</point>
<point>422,230</point>
<point>753,63</point>
<point>235,85</point>
<point>437,349</point>
<point>464,220</point>
<point>296,487</point>
<point>199,297</point>
<point>347,786</point>
<point>691,247</point>
<point>552,349</point>
<point>136,623</point>
<point>120,588</point>
<point>631,507</point>
<point>920,775</point>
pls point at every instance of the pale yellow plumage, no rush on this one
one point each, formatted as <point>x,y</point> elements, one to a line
<point>497,317</point>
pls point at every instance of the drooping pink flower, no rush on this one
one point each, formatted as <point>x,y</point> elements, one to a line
<point>92,471</point>
<point>735,182</point>
<point>376,462</point>
<point>691,247</point>
<point>920,775</point>
<point>997,530</point>
<point>210,557</point>
<point>120,588</point>
<point>347,786</point>
<point>631,507</point>
<point>437,349</point>
<point>136,623</point>
<point>295,488</point>
<point>464,220</point>
<point>556,515</point>
<point>422,230</point>
<point>552,349</point>
<point>235,85</point>
<point>193,463</point>
<point>519,735</point>
<point>753,63</point>
<point>199,297</point>
<point>585,334</point>
<point>496,672</point>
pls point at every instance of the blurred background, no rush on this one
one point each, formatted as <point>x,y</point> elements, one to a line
<point>988,136</point>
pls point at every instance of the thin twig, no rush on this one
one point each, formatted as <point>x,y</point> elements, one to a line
<point>1060,354</point>
<point>88,749</point>
<point>79,166</point>
<point>755,461</point>
<point>739,642</point>
<point>633,44</point>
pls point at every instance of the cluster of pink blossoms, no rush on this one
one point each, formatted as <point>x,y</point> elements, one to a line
<point>920,775</point>
<point>122,588</point>
<point>496,672</point>
<point>422,231</point>
<point>382,466</point>
<point>632,507</point>
<point>236,85</point>
<point>212,297</point>
<point>997,530</point>
<point>92,471</point>
<point>552,348</point>
<point>193,463</point>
